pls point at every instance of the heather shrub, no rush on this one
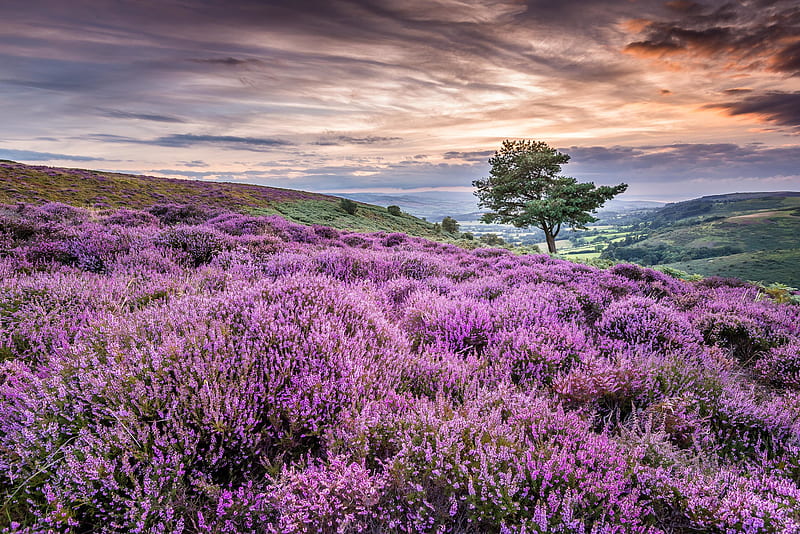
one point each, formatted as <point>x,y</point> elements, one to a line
<point>254,375</point>
<point>198,244</point>
<point>746,428</point>
<point>96,246</point>
<point>462,326</point>
<point>289,231</point>
<point>743,335</point>
<point>535,304</point>
<point>356,241</point>
<point>42,253</point>
<point>330,497</point>
<point>173,214</point>
<point>326,232</point>
<point>643,322</point>
<point>238,224</point>
<point>505,464</point>
<point>17,226</point>
<point>132,218</point>
<point>726,500</point>
<point>780,366</point>
<point>538,354</point>
<point>656,282</point>
<point>349,265</point>
<point>416,266</point>
<point>490,252</point>
<point>64,213</point>
<point>613,389</point>
<point>146,261</point>
<point>713,282</point>
<point>392,240</point>
<point>438,373</point>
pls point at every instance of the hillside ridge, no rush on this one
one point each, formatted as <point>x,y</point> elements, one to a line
<point>37,184</point>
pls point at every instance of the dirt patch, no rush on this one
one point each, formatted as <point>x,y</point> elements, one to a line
<point>752,218</point>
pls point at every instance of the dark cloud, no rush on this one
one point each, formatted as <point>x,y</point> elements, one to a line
<point>684,6</point>
<point>477,155</point>
<point>117,114</point>
<point>335,140</point>
<point>256,144</point>
<point>30,155</point>
<point>247,143</point>
<point>742,34</point>
<point>228,61</point>
<point>738,91</point>
<point>776,107</point>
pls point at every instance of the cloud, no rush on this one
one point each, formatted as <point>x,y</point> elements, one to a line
<point>30,155</point>
<point>683,162</point>
<point>118,114</point>
<point>256,144</point>
<point>229,61</point>
<point>335,140</point>
<point>194,163</point>
<point>477,155</point>
<point>737,91</point>
<point>742,36</point>
<point>246,143</point>
<point>777,107</point>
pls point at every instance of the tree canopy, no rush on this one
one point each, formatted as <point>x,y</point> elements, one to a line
<point>525,188</point>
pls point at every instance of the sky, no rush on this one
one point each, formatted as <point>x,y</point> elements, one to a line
<point>675,98</point>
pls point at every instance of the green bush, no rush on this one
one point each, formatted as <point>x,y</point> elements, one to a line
<point>349,206</point>
<point>450,225</point>
<point>394,210</point>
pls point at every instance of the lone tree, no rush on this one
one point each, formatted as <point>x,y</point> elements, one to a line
<point>524,188</point>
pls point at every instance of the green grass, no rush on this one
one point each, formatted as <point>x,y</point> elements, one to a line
<point>753,239</point>
<point>764,266</point>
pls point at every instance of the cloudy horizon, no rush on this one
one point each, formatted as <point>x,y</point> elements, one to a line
<point>678,98</point>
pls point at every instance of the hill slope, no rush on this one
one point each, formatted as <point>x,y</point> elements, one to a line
<point>754,236</point>
<point>86,188</point>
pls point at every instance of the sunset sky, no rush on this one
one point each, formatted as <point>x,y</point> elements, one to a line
<point>677,98</point>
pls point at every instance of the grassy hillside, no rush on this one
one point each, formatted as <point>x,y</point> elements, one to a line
<point>751,236</point>
<point>86,188</point>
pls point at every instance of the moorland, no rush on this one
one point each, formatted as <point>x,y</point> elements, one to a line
<point>185,363</point>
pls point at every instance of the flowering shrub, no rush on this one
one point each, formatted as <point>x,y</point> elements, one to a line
<point>126,217</point>
<point>189,370</point>
<point>781,366</point>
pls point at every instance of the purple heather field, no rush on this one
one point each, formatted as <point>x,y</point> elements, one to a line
<point>189,370</point>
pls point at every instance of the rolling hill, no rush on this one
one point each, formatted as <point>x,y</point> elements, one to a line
<point>754,236</point>
<point>94,189</point>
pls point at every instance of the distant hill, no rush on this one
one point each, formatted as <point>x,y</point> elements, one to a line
<point>463,206</point>
<point>755,236</point>
<point>86,188</point>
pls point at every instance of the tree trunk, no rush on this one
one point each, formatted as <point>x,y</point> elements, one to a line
<point>551,241</point>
